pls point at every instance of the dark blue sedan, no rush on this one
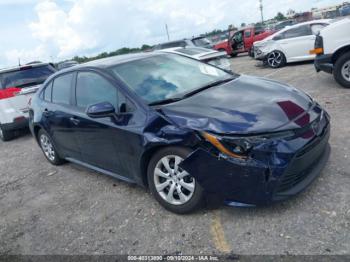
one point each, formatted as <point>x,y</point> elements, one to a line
<point>183,128</point>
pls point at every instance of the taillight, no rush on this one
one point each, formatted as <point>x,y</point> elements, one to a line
<point>9,92</point>
<point>19,119</point>
<point>318,50</point>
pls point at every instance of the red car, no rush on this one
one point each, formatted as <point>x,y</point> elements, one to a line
<point>242,40</point>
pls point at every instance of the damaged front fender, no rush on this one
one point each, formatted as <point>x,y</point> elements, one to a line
<point>235,179</point>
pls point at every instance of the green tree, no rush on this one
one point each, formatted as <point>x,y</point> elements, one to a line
<point>280,17</point>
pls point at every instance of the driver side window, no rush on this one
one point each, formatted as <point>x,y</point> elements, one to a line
<point>92,88</point>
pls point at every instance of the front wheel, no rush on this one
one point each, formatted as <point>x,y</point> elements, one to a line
<point>342,70</point>
<point>174,188</point>
<point>276,59</point>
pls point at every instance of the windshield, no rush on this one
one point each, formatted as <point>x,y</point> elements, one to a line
<point>25,76</point>
<point>167,76</point>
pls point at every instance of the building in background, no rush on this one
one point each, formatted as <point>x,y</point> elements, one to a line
<point>332,11</point>
<point>345,9</point>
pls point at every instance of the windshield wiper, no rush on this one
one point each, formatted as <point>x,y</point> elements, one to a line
<point>212,84</point>
<point>175,99</point>
<point>165,101</point>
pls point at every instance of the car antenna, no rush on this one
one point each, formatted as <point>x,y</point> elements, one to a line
<point>19,61</point>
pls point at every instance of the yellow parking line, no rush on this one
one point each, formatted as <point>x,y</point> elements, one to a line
<point>218,235</point>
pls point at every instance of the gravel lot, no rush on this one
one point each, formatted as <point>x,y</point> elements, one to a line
<point>71,210</point>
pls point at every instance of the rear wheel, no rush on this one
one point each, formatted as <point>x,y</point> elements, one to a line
<point>172,187</point>
<point>48,148</point>
<point>276,59</point>
<point>5,135</point>
<point>342,70</point>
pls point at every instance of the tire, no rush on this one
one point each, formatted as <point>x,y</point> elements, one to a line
<point>234,54</point>
<point>169,180</point>
<point>341,70</point>
<point>276,59</point>
<point>48,148</point>
<point>251,53</point>
<point>5,135</point>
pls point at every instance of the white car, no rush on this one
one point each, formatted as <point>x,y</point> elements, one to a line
<point>209,56</point>
<point>292,44</point>
<point>17,85</point>
<point>332,47</point>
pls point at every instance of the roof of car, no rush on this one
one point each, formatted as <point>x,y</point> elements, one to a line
<point>15,68</point>
<point>307,23</point>
<point>198,37</point>
<point>200,51</point>
<point>174,41</point>
<point>111,61</point>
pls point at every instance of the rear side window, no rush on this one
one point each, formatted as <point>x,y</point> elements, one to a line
<point>48,92</point>
<point>92,88</point>
<point>61,89</point>
<point>297,32</point>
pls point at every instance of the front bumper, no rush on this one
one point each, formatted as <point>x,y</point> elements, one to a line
<point>270,176</point>
<point>259,54</point>
<point>324,63</point>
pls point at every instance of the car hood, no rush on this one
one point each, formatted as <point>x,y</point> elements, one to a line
<point>243,105</point>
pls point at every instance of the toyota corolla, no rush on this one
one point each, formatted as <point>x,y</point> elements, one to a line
<point>183,128</point>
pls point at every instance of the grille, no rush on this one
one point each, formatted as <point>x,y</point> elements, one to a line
<point>304,162</point>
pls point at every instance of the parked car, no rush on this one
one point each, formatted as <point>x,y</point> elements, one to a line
<point>291,44</point>
<point>66,64</point>
<point>332,47</point>
<point>17,85</point>
<point>202,41</point>
<point>242,40</point>
<point>283,24</point>
<point>183,128</point>
<point>197,41</point>
<point>208,56</point>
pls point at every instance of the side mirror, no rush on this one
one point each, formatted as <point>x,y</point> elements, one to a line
<point>100,110</point>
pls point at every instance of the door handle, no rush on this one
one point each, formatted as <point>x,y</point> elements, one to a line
<point>74,120</point>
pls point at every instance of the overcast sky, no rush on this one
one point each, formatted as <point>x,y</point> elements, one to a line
<point>59,29</point>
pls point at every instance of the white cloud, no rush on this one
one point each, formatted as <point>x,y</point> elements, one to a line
<point>59,29</point>
<point>86,27</point>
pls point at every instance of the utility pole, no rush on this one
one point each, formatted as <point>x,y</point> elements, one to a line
<point>261,11</point>
<point>167,31</point>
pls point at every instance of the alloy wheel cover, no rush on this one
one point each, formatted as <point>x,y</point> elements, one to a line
<point>173,184</point>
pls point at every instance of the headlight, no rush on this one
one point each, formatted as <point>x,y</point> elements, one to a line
<point>236,150</point>
<point>239,147</point>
